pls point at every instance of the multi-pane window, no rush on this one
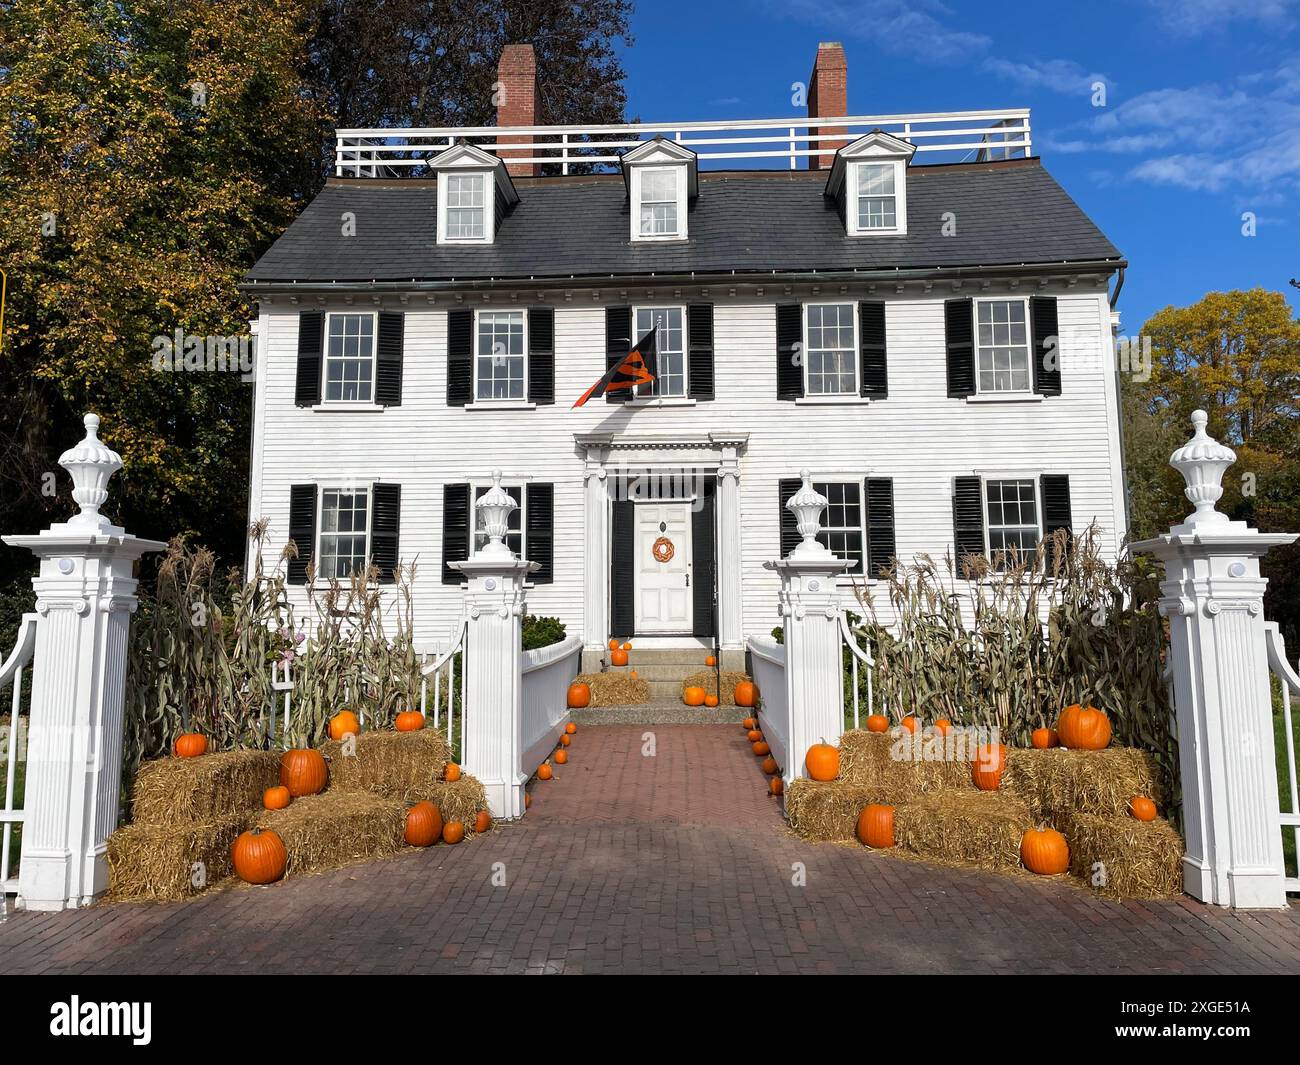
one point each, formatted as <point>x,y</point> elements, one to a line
<point>466,211</point>
<point>1002,346</point>
<point>350,358</point>
<point>499,367</point>
<point>877,196</point>
<point>841,522</point>
<point>514,538</point>
<point>1013,516</point>
<point>670,349</point>
<point>659,203</point>
<point>343,530</point>
<point>831,351</point>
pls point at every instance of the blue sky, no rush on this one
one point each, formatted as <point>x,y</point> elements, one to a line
<point>1202,121</point>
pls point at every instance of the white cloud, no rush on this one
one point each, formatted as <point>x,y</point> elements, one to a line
<point>1058,75</point>
<point>916,27</point>
<point>1191,18</point>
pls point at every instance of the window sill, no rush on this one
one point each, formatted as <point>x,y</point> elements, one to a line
<point>877,232</point>
<point>833,401</point>
<point>501,404</point>
<point>662,401</point>
<point>1011,397</point>
<point>353,407</point>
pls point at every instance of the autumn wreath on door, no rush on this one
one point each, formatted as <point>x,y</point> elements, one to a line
<point>663,549</point>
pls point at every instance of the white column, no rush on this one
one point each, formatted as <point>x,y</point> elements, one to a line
<point>731,622</point>
<point>85,593</point>
<point>595,607</point>
<point>1213,596</point>
<point>494,604</point>
<point>809,605</point>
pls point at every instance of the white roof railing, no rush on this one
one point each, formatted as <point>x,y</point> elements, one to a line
<point>980,135</point>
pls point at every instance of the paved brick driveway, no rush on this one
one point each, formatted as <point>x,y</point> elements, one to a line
<point>671,863</point>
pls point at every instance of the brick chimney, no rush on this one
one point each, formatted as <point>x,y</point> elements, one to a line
<point>518,102</point>
<point>828,97</point>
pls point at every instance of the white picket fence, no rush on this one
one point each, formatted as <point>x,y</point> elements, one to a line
<point>13,750</point>
<point>767,667</point>
<point>547,673</point>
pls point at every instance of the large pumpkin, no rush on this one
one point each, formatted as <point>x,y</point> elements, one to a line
<point>303,772</point>
<point>877,723</point>
<point>876,825</point>
<point>259,856</point>
<point>190,745</point>
<point>423,825</point>
<point>276,798</point>
<point>1083,728</point>
<point>693,696</point>
<point>1044,851</point>
<point>823,761</point>
<point>988,766</point>
<point>746,693</point>
<point>344,722</point>
<point>579,695</point>
<point>618,658</point>
<point>1044,738</point>
<point>409,721</point>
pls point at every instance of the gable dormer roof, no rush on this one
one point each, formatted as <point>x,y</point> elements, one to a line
<point>659,151</point>
<point>465,156</point>
<point>873,146</point>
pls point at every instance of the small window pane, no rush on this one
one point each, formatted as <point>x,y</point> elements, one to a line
<point>349,358</point>
<point>500,365</point>
<point>344,524</point>
<point>670,355</point>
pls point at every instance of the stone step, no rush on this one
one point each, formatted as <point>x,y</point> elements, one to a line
<point>692,656</point>
<point>657,712</point>
<point>662,670</point>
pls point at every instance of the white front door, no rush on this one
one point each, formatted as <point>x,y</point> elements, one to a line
<point>663,567</point>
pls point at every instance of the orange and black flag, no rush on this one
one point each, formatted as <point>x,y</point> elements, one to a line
<point>637,367</point>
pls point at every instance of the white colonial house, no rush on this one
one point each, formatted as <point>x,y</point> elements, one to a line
<point>909,306</point>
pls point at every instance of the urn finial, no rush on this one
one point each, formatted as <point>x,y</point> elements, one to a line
<point>90,465</point>
<point>1202,462</point>
<point>807,506</point>
<point>496,506</point>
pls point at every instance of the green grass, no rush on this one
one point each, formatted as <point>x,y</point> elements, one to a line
<point>15,831</point>
<point>1283,781</point>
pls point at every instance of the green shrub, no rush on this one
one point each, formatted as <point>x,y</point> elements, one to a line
<point>541,632</point>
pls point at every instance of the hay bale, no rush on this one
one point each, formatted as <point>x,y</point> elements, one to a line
<point>708,680</point>
<point>615,689</point>
<point>896,766</point>
<point>459,800</point>
<point>826,812</point>
<point>160,862</point>
<point>173,790</point>
<point>980,828</point>
<point>403,766</point>
<point>1058,783</point>
<point>335,828</point>
<point>1123,857</point>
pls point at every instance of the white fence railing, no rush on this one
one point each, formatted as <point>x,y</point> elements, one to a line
<point>546,675</point>
<point>767,664</point>
<point>982,135</point>
<point>860,659</point>
<point>13,752</point>
<point>439,678</point>
<point>1290,680</point>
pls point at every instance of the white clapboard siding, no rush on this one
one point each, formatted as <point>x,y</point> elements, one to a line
<point>917,436</point>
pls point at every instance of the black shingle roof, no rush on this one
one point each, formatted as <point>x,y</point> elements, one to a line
<point>1006,214</point>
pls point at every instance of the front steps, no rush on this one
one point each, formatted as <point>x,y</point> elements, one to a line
<point>660,713</point>
<point>664,669</point>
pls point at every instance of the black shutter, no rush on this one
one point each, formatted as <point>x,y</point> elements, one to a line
<point>311,341</point>
<point>618,342</point>
<point>789,525</point>
<point>388,358</point>
<point>1054,488</point>
<point>385,521</point>
<point>789,351</point>
<point>455,529</point>
<point>880,524</point>
<point>875,376</point>
<point>460,362</point>
<point>1047,346</point>
<point>302,529</point>
<point>540,533</point>
<point>959,336</point>
<point>703,561</point>
<point>622,577</point>
<point>699,330</point>
<point>968,516</point>
<point>541,355</point>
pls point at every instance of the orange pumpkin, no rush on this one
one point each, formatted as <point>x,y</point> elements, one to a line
<point>545,772</point>
<point>1044,851</point>
<point>909,723</point>
<point>769,765</point>
<point>749,723</point>
<point>876,826</point>
<point>627,647</point>
<point>761,749</point>
<point>303,772</point>
<point>409,721</point>
<point>1083,728</point>
<point>753,735</point>
<point>570,728</point>
<point>1142,808</point>
<point>613,645</point>
<point>775,786</point>
<point>453,832</point>
<point>276,798</point>
<point>989,764</point>
<point>618,658</point>
<point>710,701</point>
<point>451,772</point>
<point>423,825</point>
<point>565,740</point>
<point>693,696</point>
<point>746,693</point>
<point>482,821</point>
<point>561,756</point>
<point>190,745</point>
<point>877,723</point>
<point>823,761</point>
<point>710,661</point>
<point>343,723</point>
<point>579,695</point>
<point>632,674</point>
<point>259,856</point>
<point>942,726</point>
<point>1043,738</point>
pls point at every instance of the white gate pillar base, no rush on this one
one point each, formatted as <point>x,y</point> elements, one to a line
<point>1213,595</point>
<point>85,594</point>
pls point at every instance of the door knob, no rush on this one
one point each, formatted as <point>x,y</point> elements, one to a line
<point>688,580</point>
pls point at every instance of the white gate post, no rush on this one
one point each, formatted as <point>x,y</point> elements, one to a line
<point>491,725</point>
<point>1213,596</point>
<point>85,594</point>
<point>809,604</point>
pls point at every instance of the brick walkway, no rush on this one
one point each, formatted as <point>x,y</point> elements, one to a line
<point>676,863</point>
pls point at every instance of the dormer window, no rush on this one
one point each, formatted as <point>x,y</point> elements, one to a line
<point>661,182</point>
<point>474,191</point>
<point>869,182</point>
<point>466,210</point>
<point>877,196</point>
